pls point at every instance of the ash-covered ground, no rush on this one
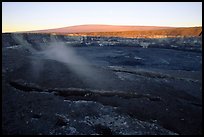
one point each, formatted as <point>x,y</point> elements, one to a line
<point>110,90</point>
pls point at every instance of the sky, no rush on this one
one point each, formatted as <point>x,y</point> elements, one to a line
<point>26,16</point>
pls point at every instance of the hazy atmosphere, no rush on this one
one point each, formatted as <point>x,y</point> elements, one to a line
<point>25,16</point>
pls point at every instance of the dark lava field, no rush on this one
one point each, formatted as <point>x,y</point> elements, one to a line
<point>60,90</point>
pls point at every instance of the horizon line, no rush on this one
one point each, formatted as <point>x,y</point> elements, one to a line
<point>99,25</point>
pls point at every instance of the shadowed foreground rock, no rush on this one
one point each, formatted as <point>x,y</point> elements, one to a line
<point>134,91</point>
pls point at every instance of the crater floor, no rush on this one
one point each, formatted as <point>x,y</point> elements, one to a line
<point>129,91</point>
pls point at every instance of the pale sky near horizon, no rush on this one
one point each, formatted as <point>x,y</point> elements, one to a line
<point>25,16</point>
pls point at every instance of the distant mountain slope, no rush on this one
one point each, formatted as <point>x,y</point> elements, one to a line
<point>124,31</point>
<point>99,28</point>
